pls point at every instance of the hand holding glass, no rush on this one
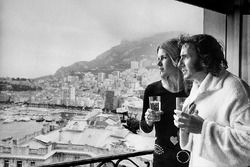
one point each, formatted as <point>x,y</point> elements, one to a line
<point>178,109</point>
<point>155,106</point>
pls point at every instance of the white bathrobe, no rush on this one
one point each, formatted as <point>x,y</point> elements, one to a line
<point>224,103</point>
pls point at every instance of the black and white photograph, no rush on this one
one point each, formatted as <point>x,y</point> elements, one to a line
<point>124,83</point>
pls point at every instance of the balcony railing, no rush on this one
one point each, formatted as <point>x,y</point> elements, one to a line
<point>102,160</point>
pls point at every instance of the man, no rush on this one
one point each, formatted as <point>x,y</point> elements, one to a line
<point>215,119</point>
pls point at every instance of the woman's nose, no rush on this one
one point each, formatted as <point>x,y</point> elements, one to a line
<point>159,63</point>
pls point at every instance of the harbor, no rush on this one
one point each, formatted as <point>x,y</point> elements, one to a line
<point>18,121</point>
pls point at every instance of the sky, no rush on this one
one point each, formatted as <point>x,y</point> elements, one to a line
<point>37,37</point>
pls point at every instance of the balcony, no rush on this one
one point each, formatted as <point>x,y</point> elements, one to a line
<point>115,160</point>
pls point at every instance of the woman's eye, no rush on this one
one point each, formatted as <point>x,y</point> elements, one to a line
<point>162,58</point>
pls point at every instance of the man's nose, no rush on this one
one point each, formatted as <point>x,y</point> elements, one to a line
<point>180,63</point>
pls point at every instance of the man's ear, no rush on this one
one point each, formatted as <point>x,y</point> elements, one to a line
<point>205,61</point>
<point>203,65</point>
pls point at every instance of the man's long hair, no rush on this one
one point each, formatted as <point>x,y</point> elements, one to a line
<point>209,51</point>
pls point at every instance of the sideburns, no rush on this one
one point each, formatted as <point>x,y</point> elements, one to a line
<point>198,65</point>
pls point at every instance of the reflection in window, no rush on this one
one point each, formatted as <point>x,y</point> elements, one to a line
<point>6,163</point>
<point>77,157</point>
<point>32,163</point>
<point>19,163</point>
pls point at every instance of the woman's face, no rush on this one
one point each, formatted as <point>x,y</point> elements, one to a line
<point>165,63</point>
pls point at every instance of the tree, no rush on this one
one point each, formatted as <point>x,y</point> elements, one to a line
<point>133,125</point>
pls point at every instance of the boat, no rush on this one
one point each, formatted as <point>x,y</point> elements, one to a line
<point>8,120</point>
<point>7,138</point>
<point>34,117</point>
<point>40,119</point>
<point>24,119</point>
<point>48,119</point>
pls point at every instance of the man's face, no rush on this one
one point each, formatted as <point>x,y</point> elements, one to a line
<point>189,63</point>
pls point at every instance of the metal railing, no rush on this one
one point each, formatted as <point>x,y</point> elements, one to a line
<point>102,160</point>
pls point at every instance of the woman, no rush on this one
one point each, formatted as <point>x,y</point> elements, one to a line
<point>167,152</point>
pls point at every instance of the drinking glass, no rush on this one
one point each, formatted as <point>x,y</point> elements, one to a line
<point>179,103</point>
<point>155,106</point>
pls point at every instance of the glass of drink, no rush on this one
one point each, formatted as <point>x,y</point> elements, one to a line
<point>179,103</point>
<point>155,106</point>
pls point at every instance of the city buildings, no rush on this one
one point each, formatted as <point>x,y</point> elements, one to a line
<point>99,133</point>
<point>96,134</point>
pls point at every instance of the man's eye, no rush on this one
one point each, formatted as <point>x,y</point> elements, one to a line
<point>184,56</point>
<point>177,59</point>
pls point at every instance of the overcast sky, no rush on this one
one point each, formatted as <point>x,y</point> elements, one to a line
<point>39,36</point>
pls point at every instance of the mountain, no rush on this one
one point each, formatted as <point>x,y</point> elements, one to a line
<point>118,58</point>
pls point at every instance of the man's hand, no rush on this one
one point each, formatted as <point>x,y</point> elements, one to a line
<point>188,122</point>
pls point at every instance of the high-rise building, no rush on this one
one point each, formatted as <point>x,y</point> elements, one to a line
<point>109,100</point>
<point>65,95</point>
<point>72,95</point>
<point>116,74</point>
<point>100,77</point>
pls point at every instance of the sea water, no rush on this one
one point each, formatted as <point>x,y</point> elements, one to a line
<point>19,129</point>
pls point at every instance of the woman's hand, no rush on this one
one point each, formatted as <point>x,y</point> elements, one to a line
<point>152,116</point>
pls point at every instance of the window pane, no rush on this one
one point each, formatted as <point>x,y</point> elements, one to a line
<point>19,164</point>
<point>6,163</point>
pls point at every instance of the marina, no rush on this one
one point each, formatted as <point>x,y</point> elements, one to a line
<point>18,129</point>
<point>16,122</point>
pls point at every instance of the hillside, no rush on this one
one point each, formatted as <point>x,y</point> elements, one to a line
<point>119,57</point>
